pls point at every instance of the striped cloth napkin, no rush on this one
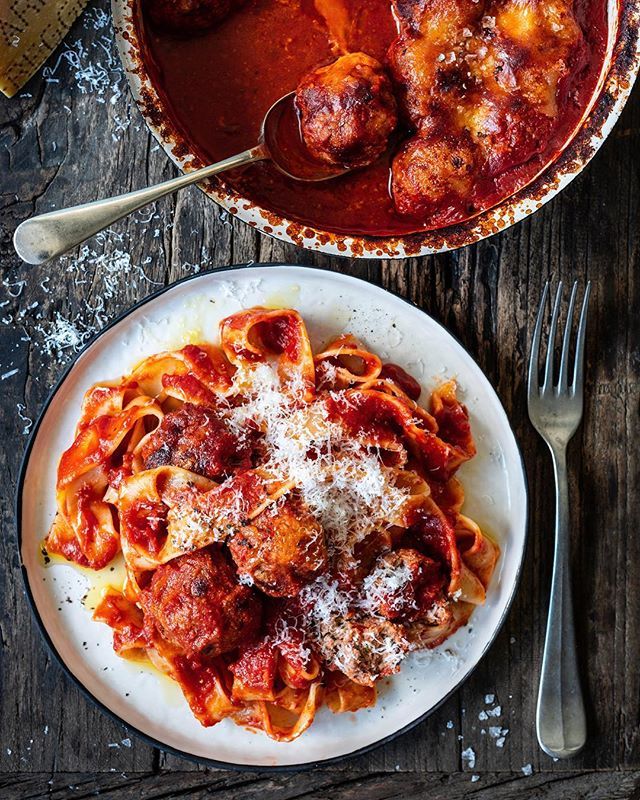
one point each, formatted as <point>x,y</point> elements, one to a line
<point>29,31</point>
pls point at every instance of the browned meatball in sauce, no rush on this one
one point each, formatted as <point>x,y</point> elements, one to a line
<point>189,16</point>
<point>196,604</point>
<point>282,549</point>
<point>195,438</point>
<point>347,111</point>
<point>364,650</point>
<point>406,585</point>
<point>429,173</point>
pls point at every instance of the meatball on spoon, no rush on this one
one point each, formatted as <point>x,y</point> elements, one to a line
<point>43,237</point>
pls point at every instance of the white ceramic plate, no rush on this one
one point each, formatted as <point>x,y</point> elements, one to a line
<point>330,304</point>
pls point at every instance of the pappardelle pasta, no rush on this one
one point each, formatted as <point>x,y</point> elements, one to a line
<point>290,523</point>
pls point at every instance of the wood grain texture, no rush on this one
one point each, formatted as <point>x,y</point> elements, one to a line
<point>66,139</point>
<point>317,785</point>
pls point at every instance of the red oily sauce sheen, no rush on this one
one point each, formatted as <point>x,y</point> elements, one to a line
<point>280,335</point>
<point>216,86</point>
<point>401,377</point>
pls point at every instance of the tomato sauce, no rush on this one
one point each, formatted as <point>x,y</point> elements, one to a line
<point>208,365</point>
<point>435,535</point>
<point>401,377</point>
<point>145,522</point>
<point>216,86</point>
<point>256,666</point>
<point>453,425</point>
<point>280,335</point>
<point>199,681</point>
<point>190,388</point>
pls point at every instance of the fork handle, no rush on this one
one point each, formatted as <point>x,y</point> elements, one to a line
<point>560,717</point>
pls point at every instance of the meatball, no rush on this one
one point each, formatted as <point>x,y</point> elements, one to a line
<point>195,438</point>
<point>405,585</point>
<point>425,77</point>
<point>196,603</point>
<point>189,16</point>
<point>347,111</point>
<point>283,549</point>
<point>363,650</point>
<point>429,174</point>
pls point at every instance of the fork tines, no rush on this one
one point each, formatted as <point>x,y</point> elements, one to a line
<point>562,387</point>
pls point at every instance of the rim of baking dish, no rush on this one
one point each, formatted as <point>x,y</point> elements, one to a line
<point>620,68</point>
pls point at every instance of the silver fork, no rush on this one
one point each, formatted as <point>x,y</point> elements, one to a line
<point>556,411</point>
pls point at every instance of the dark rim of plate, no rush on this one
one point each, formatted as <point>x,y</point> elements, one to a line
<point>211,762</point>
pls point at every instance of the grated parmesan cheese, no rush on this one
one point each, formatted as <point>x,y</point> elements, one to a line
<point>28,422</point>
<point>384,585</point>
<point>347,488</point>
<point>351,493</point>
<point>468,757</point>
<point>284,634</point>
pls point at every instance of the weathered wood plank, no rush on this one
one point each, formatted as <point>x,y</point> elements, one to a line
<point>318,784</point>
<point>75,140</point>
<point>49,157</point>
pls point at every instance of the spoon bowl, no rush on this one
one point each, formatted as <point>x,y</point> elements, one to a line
<point>282,138</point>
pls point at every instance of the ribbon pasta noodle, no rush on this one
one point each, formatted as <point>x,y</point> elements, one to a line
<point>290,524</point>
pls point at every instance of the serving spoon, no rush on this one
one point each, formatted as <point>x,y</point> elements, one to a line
<point>41,238</point>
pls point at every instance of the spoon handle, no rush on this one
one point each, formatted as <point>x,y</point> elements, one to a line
<point>40,238</point>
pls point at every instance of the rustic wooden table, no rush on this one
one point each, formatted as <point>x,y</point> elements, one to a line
<point>73,134</point>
